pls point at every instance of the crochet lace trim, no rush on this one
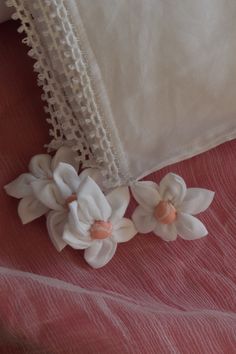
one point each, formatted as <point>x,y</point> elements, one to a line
<point>70,100</point>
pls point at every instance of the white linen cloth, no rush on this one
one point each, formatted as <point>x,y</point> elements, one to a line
<point>170,74</point>
<point>158,78</point>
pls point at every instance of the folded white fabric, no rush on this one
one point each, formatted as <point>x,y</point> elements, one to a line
<point>134,85</point>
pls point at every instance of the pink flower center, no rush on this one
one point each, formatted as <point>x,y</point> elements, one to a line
<point>165,212</point>
<point>101,230</point>
<point>71,199</point>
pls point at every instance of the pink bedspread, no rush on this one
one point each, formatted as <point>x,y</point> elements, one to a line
<point>153,297</point>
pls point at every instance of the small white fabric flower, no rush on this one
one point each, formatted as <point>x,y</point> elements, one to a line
<point>41,169</point>
<point>96,222</point>
<point>167,209</point>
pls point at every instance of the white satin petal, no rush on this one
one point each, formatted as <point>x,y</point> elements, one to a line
<point>196,200</point>
<point>75,222</point>
<point>20,187</point>
<point>146,194</point>
<point>67,155</point>
<point>75,240</point>
<point>189,228</point>
<point>56,221</point>
<point>166,232</point>
<point>66,179</point>
<point>48,194</point>
<point>100,253</point>
<point>119,200</point>
<point>30,209</point>
<point>173,188</point>
<point>92,202</point>
<point>144,220</point>
<point>40,166</point>
<point>95,174</point>
<point>123,231</point>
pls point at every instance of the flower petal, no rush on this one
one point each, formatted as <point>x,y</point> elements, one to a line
<point>95,174</point>
<point>29,209</point>
<point>56,221</point>
<point>119,200</point>
<point>67,155</point>
<point>189,228</point>
<point>92,203</point>
<point>100,253</point>
<point>40,166</point>
<point>196,200</point>
<point>144,220</point>
<point>166,232</point>
<point>74,240</point>
<point>173,188</point>
<point>48,194</point>
<point>123,231</point>
<point>20,187</point>
<point>75,222</point>
<point>146,194</point>
<point>67,179</point>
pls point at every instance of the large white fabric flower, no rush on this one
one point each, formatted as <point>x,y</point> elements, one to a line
<point>41,169</point>
<point>48,188</point>
<point>168,209</point>
<point>96,222</point>
<point>58,195</point>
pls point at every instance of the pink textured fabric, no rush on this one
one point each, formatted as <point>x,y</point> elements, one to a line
<point>153,297</point>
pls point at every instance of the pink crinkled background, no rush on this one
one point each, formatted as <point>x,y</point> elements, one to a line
<point>153,297</point>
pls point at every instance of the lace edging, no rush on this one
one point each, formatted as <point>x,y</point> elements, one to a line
<point>70,101</point>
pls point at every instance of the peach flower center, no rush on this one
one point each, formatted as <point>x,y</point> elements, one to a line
<point>101,230</point>
<point>165,212</point>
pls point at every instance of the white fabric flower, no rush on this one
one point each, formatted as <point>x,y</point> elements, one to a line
<point>41,169</point>
<point>96,222</point>
<point>58,195</point>
<point>48,189</point>
<point>167,209</point>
